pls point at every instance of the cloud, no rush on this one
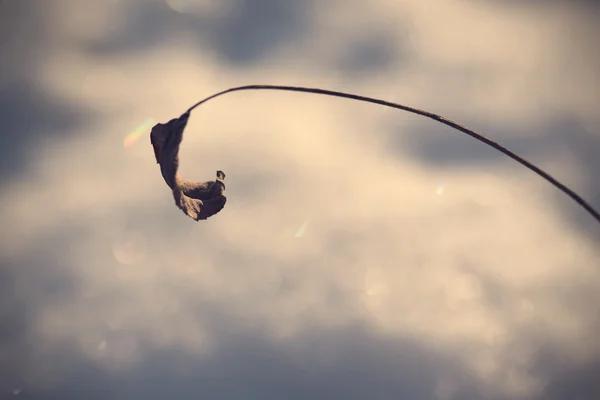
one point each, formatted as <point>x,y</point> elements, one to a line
<point>394,289</point>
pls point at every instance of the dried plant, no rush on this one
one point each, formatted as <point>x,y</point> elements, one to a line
<point>200,200</point>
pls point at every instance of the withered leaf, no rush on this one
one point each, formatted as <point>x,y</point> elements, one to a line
<point>198,200</point>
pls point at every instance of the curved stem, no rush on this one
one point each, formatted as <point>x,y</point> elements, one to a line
<point>572,194</point>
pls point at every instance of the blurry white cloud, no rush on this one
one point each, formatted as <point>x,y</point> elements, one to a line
<point>476,265</point>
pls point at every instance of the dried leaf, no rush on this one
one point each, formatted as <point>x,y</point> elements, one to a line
<point>198,200</point>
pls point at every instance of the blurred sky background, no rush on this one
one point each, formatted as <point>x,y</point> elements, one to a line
<point>364,253</point>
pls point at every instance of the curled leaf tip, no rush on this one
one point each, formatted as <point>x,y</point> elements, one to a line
<point>197,200</point>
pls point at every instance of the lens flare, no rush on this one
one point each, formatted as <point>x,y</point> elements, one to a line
<point>440,189</point>
<point>130,248</point>
<point>302,230</point>
<point>180,6</point>
<point>138,132</point>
